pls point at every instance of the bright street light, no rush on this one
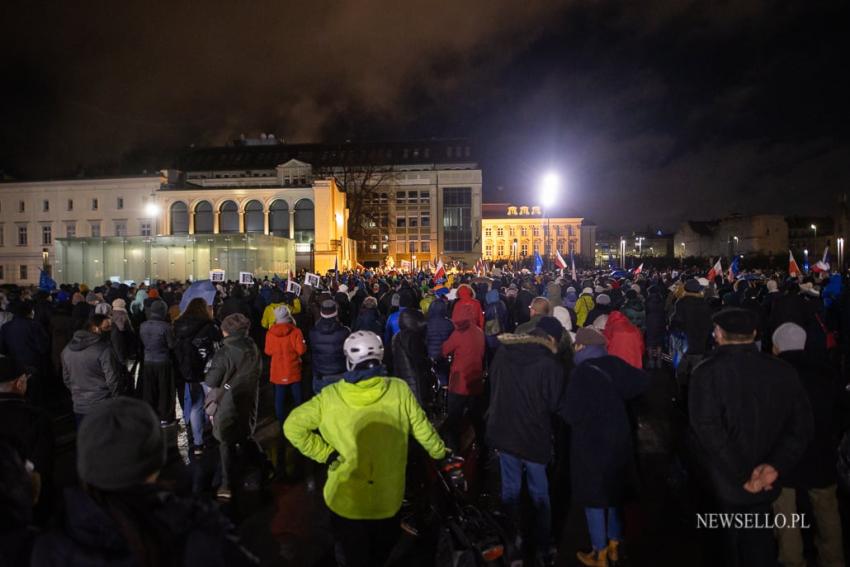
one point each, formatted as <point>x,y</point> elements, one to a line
<point>549,185</point>
<point>152,209</point>
<point>814,227</point>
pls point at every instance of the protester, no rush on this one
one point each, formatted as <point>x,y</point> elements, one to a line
<point>601,451</point>
<point>692,317</point>
<point>625,341</point>
<point>360,427</point>
<point>368,317</point>
<point>19,492</point>
<point>158,384</point>
<point>466,296</point>
<point>326,339</point>
<point>285,345</point>
<point>410,356</point>
<point>26,341</point>
<point>122,335</point>
<point>751,423</point>
<point>584,305</point>
<point>540,307</point>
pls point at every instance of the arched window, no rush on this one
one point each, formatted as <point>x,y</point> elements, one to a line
<point>228,221</point>
<point>254,216</point>
<point>204,218</point>
<point>179,218</point>
<point>279,218</point>
<point>305,222</point>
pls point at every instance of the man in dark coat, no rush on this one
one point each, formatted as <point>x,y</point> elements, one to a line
<point>410,357</point>
<point>439,329</point>
<point>751,422</point>
<point>28,343</point>
<point>527,390</point>
<point>158,384</point>
<point>816,472</point>
<point>691,316</point>
<point>369,318</point>
<point>326,339</point>
<point>601,449</point>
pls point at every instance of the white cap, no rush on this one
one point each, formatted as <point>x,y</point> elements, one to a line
<point>789,336</point>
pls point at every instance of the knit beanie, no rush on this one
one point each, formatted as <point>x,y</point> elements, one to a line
<point>551,327</point>
<point>282,315</point>
<point>119,305</point>
<point>236,324</point>
<point>119,444</point>
<point>603,299</point>
<point>328,309</point>
<point>159,308</point>
<point>789,336</point>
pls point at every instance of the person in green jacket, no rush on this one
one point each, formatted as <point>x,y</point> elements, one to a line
<point>360,427</point>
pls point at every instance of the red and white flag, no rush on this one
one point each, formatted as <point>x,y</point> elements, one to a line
<point>559,261</point>
<point>441,271</point>
<point>716,270</point>
<point>822,265</point>
<point>793,268</point>
<point>639,269</point>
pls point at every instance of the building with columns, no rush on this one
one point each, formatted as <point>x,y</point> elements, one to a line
<point>513,233</point>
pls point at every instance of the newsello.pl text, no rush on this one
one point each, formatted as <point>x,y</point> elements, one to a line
<point>747,521</point>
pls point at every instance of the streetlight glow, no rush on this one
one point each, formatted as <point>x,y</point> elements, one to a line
<point>549,185</point>
<point>152,209</point>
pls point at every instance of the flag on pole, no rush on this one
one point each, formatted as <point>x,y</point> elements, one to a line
<point>441,271</point>
<point>573,263</point>
<point>823,265</point>
<point>639,269</point>
<point>45,282</point>
<point>559,260</point>
<point>733,269</point>
<point>538,263</point>
<point>717,270</point>
<point>793,268</point>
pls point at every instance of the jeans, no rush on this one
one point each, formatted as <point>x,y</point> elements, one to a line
<point>193,411</point>
<point>512,469</point>
<point>596,525</point>
<point>280,398</point>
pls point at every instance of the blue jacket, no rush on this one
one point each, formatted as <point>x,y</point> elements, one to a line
<point>392,327</point>
<point>369,320</point>
<point>440,328</point>
<point>326,339</point>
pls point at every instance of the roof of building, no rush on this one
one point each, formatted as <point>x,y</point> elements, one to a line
<point>248,157</point>
<point>704,228</point>
<point>500,211</point>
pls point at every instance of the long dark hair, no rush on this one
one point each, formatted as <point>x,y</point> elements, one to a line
<point>197,309</point>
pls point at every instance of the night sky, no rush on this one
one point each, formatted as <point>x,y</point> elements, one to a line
<point>653,112</point>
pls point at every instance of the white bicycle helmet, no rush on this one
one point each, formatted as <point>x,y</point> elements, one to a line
<point>360,346</point>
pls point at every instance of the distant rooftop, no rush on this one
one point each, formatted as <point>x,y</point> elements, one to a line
<point>511,211</point>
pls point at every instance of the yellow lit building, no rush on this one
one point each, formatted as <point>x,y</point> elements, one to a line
<point>513,232</point>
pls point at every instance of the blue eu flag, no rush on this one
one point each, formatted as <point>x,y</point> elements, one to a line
<point>538,263</point>
<point>45,282</point>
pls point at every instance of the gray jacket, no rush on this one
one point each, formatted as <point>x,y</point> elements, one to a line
<point>236,364</point>
<point>91,371</point>
<point>158,338</point>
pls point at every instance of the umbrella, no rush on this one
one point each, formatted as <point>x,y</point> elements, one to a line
<point>203,289</point>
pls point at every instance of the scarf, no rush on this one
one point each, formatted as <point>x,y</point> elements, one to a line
<point>590,352</point>
<point>355,376</point>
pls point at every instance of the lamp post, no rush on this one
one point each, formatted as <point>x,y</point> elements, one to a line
<point>152,209</point>
<point>549,185</point>
<point>684,249</point>
<point>735,248</point>
<point>622,253</point>
<point>840,245</point>
<point>814,228</point>
<point>639,240</point>
<point>806,260</point>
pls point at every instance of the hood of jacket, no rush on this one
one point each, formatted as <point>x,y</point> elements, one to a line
<point>438,309</point>
<point>617,319</point>
<point>465,292</point>
<point>364,392</point>
<point>512,340</point>
<point>463,316</point>
<point>411,320</point>
<point>282,329</point>
<point>83,339</point>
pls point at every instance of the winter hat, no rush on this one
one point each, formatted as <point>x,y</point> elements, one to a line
<point>588,336</point>
<point>693,286</point>
<point>154,293</point>
<point>395,300</point>
<point>736,321</point>
<point>328,309</point>
<point>103,309</point>
<point>514,287</point>
<point>282,315</point>
<point>159,308</point>
<point>119,305</point>
<point>603,299</point>
<point>236,324</point>
<point>369,303</point>
<point>587,291</point>
<point>789,336</point>
<point>492,297</point>
<point>563,316</point>
<point>551,327</point>
<point>119,444</point>
<point>571,289</point>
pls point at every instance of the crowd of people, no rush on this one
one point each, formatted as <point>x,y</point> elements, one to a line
<point>542,372</point>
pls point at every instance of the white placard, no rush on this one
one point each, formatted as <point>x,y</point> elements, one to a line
<point>246,278</point>
<point>217,276</point>
<point>293,287</point>
<point>312,280</point>
<point>115,279</point>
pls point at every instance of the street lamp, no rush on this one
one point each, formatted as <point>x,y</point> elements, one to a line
<point>814,228</point>
<point>549,185</point>
<point>152,209</point>
<point>640,240</point>
<point>806,260</point>
<point>623,253</point>
<point>840,244</point>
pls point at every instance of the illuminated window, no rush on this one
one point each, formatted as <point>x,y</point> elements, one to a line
<point>488,231</point>
<point>425,246</point>
<point>523,231</point>
<point>500,231</point>
<point>536,231</point>
<point>488,250</point>
<point>524,249</point>
<point>501,250</point>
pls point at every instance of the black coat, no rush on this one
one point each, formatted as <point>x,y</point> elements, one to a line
<point>369,320</point>
<point>526,390</point>
<point>440,328</point>
<point>326,339</point>
<point>26,341</point>
<point>196,343</point>
<point>692,315</point>
<point>656,321</point>
<point>410,359</point>
<point>184,532</point>
<point>746,409</point>
<point>601,447</point>
<point>817,467</point>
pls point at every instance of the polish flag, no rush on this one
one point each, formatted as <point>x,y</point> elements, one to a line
<point>823,265</point>
<point>441,271</point>
<point>716,270</point>
<point>638,270</point>
<point>559,261</point>
<point>793,268</point>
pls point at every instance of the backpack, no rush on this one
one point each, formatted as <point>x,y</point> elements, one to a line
<point>190,358</point>
<point>492,326</point>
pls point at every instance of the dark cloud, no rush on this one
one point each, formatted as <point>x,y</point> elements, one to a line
<point>655,111</point>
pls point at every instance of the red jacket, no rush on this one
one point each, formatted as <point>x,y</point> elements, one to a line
<point>466,344</point>
<point>465,296</point>
<point>624,339</point>
<point>285,344</point>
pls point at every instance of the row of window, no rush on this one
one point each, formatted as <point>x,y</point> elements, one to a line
<point>523,231</point>
<point>94,205</point>
<point>254,217</point>
<point>120,229</point>
<point>505,250</point>
<point>423,220</point>
<point>23,272</point>
<point>402,247</point>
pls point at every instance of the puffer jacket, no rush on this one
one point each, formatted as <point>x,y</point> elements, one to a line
<point>326,339</point>
<point>625,341</point>
<point>466,346</point>
<point>157,337</point>
<point>91,371</point>
<point>368,423</point>
<point>440,328</point>
<point>410,359</point>
<point>465,296</point>
<point>196,341</point>
<point>236,363</point>
<point>285,344</point>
